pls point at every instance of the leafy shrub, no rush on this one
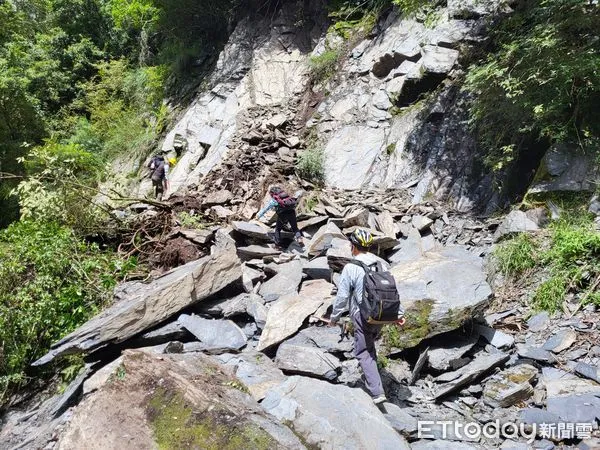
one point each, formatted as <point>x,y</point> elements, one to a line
<point>50,283</point>
<point>574,242</point>
<point>56,187</point>
<point>311,165</point>
<point>516,255</point>
<point>572,261</point>
<point>323,66</point>
<point>541,82</point>
<point>189,221</point>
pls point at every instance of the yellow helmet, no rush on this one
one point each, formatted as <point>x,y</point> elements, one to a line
<point>361,238</point>
<point>172,161</point>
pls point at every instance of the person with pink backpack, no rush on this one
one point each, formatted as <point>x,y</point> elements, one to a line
<point>285,208</point>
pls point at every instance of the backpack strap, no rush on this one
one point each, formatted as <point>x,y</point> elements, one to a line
<point>366,267</point>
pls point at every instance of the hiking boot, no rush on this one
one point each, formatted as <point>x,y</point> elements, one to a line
<point>379,399</point>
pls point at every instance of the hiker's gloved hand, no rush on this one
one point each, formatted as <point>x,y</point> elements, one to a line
<point>401,322</point>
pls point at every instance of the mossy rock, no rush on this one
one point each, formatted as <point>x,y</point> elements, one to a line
<point>176,425</point>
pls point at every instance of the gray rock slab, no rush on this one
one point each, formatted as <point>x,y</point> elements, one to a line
<point>497,338</point>
<point>467,374</point>
<point>421,223</point>
<point>491,319</point>
<point>219,197</point>
<point>312,222</point>
<point>252,229</point>
<point>357,218</point>
<point>577,408</point>
<point>287,280</point>
<point>443,357</point>
<point>537,416</point>
<point>227,307</point>
<point>288,313</point>
<point>538,322</point>
<point>515,222</point>
<point>381,100</point>
<point>339,254</point>
<point>571,398</point>
<point>101,376</point>
<point>307,360</point>
<point>385,224</point>
<point>560,341</point>
<point>326,338</point>
<point>535,353</point>
<point>172,331</point>
<point>256,251</point>
<point>441,288</point>
<point>510,386</point>
<point>352,149</point>
<point>401,421</point>
<point>421,361</point>
<point>147,305</point>
<point>255,370</point>
<point>588,371</point>
<point>200,237</point>
<point>74,389</point>
<point>332,417</point>
<point>321,241</point>
<point>250,277</point>
<point>214,334</point>
<point>317,269</point>
<point>438,59</point>
<point>256,309</point>
<point>409,249</point>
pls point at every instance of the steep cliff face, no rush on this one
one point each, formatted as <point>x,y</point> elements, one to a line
<point>391,116</point>
<point>263,66</point>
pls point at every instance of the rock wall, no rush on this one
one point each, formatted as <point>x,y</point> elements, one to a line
<point>263,66</point>
<point>392,116</point>
<point>395,117</point>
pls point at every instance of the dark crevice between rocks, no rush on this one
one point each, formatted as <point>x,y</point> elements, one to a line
<point>389,62</point>
<point>516,180</point>
<point>415,90</point>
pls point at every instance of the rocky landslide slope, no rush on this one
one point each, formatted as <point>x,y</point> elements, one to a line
<point>392,113</point>
<point>226,351</point>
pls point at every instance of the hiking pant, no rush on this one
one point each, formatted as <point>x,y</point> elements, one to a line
<point>158,188</point>
<point>284,217</point>
<point>364,351</point>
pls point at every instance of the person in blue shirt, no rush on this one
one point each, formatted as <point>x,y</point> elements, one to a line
<point>285,208</point>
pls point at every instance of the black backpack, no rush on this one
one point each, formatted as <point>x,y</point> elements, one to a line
<point>381,301</point>
<point>284,201</point>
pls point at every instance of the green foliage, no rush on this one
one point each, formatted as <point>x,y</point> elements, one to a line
<point>551,293</point>
<point>574,241</point>
<point>56,186</point>
<point>542,82</point>
<point>516,255</point>
<point>125,107</point>
<point>311,165</point>
<point>50,283</point>
<point>323,66</point>
<point>571,260</point>
<point>188,221</point>
<point>410,7</point>
<point>311,202</point>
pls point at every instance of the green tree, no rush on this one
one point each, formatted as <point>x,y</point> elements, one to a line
<point>542,81</point>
